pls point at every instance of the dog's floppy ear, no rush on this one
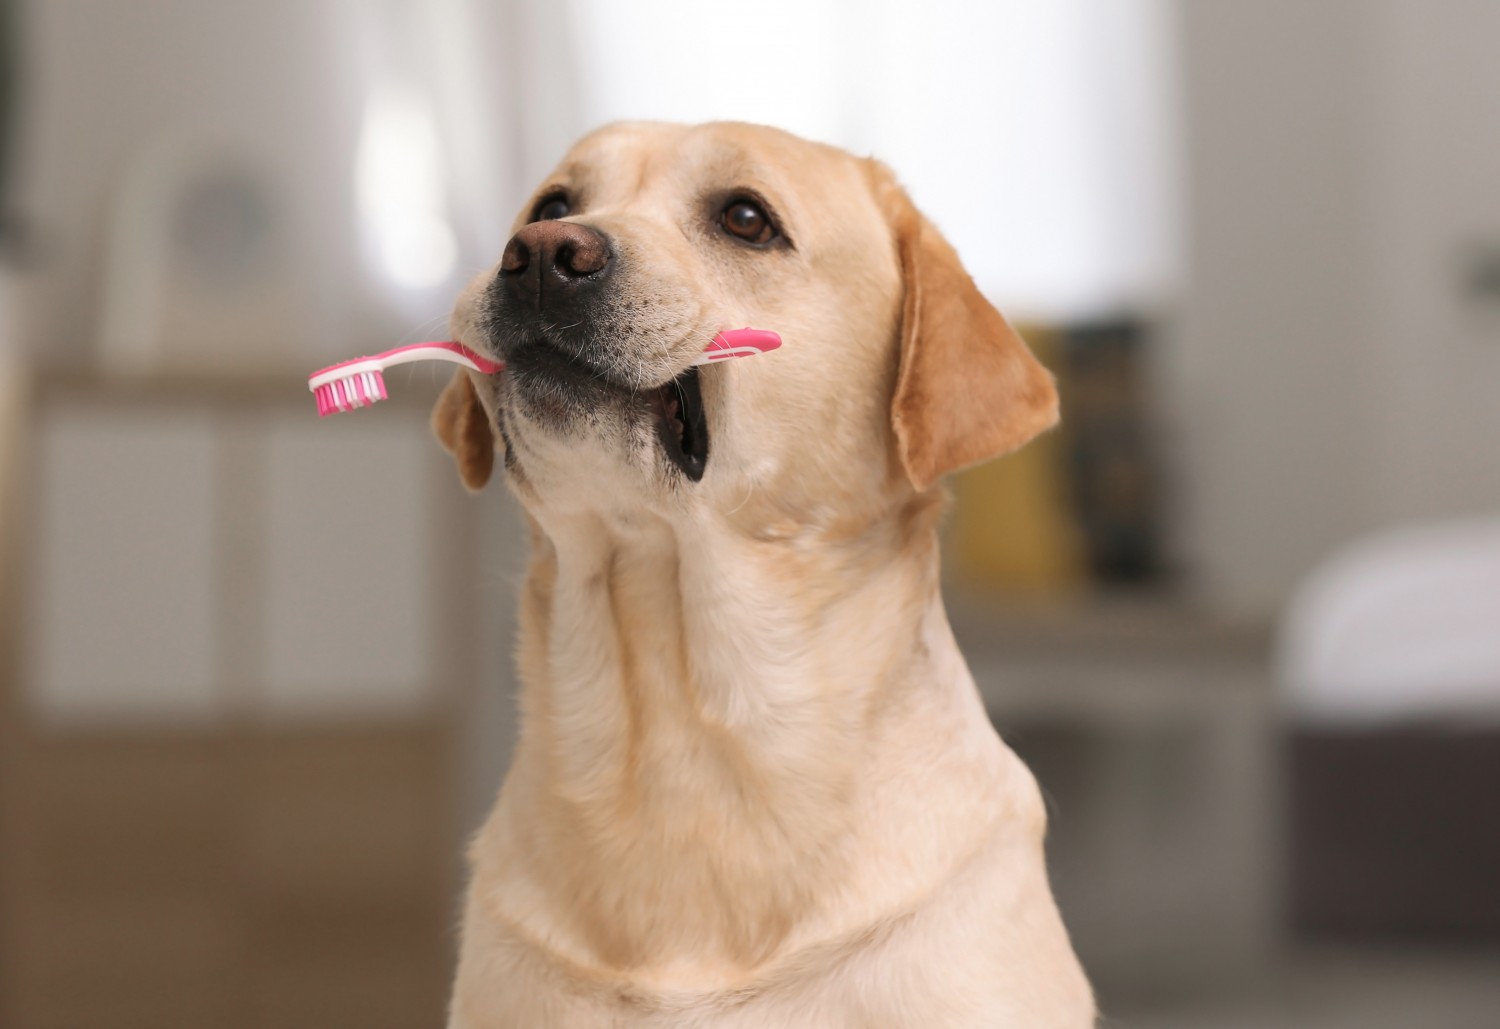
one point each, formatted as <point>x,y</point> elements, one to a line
<point>461,425</point>
<point>968,389</point>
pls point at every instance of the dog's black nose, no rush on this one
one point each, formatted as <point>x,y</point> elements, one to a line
<point>550,262</point>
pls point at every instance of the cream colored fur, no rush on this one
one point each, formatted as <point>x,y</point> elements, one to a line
<point>755,785</point>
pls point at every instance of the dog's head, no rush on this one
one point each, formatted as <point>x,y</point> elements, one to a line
<point>648,240</point>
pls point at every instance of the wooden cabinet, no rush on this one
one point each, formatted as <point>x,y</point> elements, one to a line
<point>234,652</point>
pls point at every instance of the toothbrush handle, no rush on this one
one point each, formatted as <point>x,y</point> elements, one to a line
<point>739,343</point>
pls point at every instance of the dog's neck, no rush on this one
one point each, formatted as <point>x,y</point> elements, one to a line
<point>706,716</point>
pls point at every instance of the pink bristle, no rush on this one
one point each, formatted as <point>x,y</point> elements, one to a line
<point>350,393</point>
<point>362,389</point>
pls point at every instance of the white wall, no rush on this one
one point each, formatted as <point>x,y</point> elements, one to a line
<point>1435,192</point>
<point>104,84</point>
<point>114,92</point>
<point>1038,136</point>
<point>1326,375</point>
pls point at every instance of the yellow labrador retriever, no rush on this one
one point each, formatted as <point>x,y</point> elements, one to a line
<point>755,785</point>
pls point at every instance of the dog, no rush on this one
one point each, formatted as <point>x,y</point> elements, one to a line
<point>755,785</point>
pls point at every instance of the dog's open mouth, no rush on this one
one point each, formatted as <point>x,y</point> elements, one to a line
<point>680,423</point>
<point>558,385</point>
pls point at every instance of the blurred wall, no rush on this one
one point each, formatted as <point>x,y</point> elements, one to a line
<point>287,96</point>
<point>1435,185</point>
<point>1330,371</point>
<point>165,75</point>
<point>1040,137</point>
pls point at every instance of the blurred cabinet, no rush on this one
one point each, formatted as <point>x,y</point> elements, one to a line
<point>229,723</point>
<point>120,566</point>
<point>1151,738</point>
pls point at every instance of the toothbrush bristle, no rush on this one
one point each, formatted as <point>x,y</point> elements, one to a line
<point>359,390</point>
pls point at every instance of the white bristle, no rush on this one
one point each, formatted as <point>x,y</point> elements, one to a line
<point>354,391</point>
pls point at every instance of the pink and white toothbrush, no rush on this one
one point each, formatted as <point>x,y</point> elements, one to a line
<point>360,382</point>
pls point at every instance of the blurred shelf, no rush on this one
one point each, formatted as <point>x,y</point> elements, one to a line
<point>1117,693</point>
<point>1127,625</point>
<point>1112,659</point>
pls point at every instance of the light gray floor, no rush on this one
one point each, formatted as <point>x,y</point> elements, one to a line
<point>1344,990</point>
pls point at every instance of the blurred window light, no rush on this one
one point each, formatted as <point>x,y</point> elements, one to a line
<point>1040,137</point>
<point>400,191</point>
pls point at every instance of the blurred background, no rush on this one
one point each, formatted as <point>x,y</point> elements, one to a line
<point>1241,614</point>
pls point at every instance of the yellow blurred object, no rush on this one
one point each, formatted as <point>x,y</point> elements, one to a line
<point>1012,530</point>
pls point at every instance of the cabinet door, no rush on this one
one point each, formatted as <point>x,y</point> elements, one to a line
<point>227,758</point>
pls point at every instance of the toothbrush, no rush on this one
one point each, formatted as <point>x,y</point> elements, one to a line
<point>360,382</point>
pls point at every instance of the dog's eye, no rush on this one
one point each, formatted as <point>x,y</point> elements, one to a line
<point>745,220</point>
<point>551,209</point>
